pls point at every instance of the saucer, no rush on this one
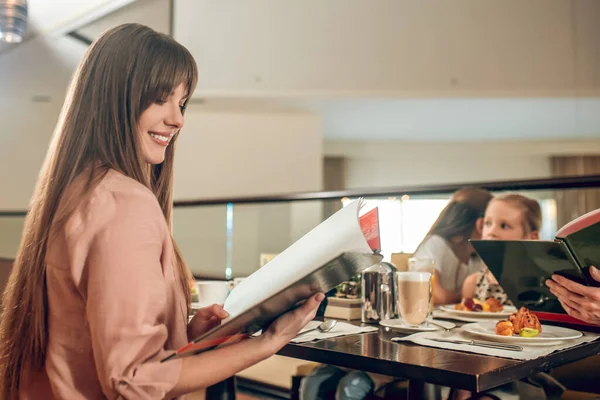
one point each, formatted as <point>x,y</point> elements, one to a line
<point>398,324</point>
<point>549,336</point>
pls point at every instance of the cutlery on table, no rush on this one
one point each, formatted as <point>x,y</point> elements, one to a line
<point>323,327</point>
<point>493,345</point>
<point>439,326</point>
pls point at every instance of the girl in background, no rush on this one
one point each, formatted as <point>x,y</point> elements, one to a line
<point>509,217</point>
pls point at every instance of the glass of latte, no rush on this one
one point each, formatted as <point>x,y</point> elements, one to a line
<point>414,297</point>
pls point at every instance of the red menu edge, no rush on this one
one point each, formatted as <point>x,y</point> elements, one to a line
<point>369,224</point>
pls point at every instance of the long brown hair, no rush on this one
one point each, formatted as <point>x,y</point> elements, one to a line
<point>459,217</point>
<point>123,72</point>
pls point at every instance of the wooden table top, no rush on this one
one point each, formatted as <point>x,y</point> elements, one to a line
<point>375,352</point>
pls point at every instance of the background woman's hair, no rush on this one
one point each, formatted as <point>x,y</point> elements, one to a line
<point>532,212</point>
<point>123,72</point>
<point>459,217</point>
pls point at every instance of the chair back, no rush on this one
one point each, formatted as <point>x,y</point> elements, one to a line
<point>400,260</point>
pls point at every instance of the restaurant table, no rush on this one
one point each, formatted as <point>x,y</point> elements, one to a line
<point>375,352</point>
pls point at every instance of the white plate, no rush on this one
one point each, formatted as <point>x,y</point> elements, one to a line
<point>550,334</point>
<point>398,324</point>
<point>480,314</point>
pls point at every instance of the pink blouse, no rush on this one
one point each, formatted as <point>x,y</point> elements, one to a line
<point>115,302</point>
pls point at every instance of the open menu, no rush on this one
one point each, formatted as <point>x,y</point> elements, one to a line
<point>337,249</point>
<point>522,266</point>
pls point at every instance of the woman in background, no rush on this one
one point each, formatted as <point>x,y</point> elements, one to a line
<point>447,243</point>
<point>99,292</point>
<point>510,217</point>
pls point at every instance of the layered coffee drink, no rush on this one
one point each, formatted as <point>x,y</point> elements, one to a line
<point>414,296</point>
<point>422,264</point>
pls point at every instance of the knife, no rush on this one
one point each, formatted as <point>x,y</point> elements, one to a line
<point>493,345</point>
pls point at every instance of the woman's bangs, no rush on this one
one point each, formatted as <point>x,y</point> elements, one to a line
<point>173,65</point>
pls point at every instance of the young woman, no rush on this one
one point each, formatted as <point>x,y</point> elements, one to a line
<point>510,217</point>
<point>99,292</point>
<point>447,243</point>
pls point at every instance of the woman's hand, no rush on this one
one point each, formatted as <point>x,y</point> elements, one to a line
<point>205,319</point>
<point>581,302</point>
<point>287,326</point>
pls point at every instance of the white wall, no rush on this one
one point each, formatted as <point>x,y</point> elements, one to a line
<point>223,153</point>
<point>38,68</point>
<point>394,47</point>
<point>378,164</point>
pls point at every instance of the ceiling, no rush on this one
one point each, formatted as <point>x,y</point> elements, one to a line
<point>458,119</point>
<point>344,118</point>
<point>48,17</point>
<point>447,119</point>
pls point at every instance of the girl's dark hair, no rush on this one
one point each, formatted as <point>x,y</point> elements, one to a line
<point>459,217</point>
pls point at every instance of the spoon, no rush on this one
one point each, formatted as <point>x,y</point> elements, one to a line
<point>323,327</point>
<point>446,329</point>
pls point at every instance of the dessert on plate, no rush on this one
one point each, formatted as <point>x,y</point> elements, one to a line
<point>523,323</point>
<point>490,305</point>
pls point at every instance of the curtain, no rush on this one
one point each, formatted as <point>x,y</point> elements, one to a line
<point>572,203</point>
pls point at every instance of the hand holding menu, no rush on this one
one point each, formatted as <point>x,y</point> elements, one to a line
<point>333,252</point>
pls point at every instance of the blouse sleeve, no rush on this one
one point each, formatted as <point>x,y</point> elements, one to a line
<point>436,248</point>
<point>126,300</point>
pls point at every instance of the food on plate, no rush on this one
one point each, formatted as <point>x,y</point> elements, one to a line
<point>470,304</point>
<point>494,304</point>
<point>529,332</point>
<point>524,319</point>
<point>504,328</point>
<point>523,323</point>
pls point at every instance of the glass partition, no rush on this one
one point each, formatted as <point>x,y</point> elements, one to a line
<point>268,228</point>
<point>224,239</point>
<point>404,221</point>
<point>201,234</point>
<point>230,242</point>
